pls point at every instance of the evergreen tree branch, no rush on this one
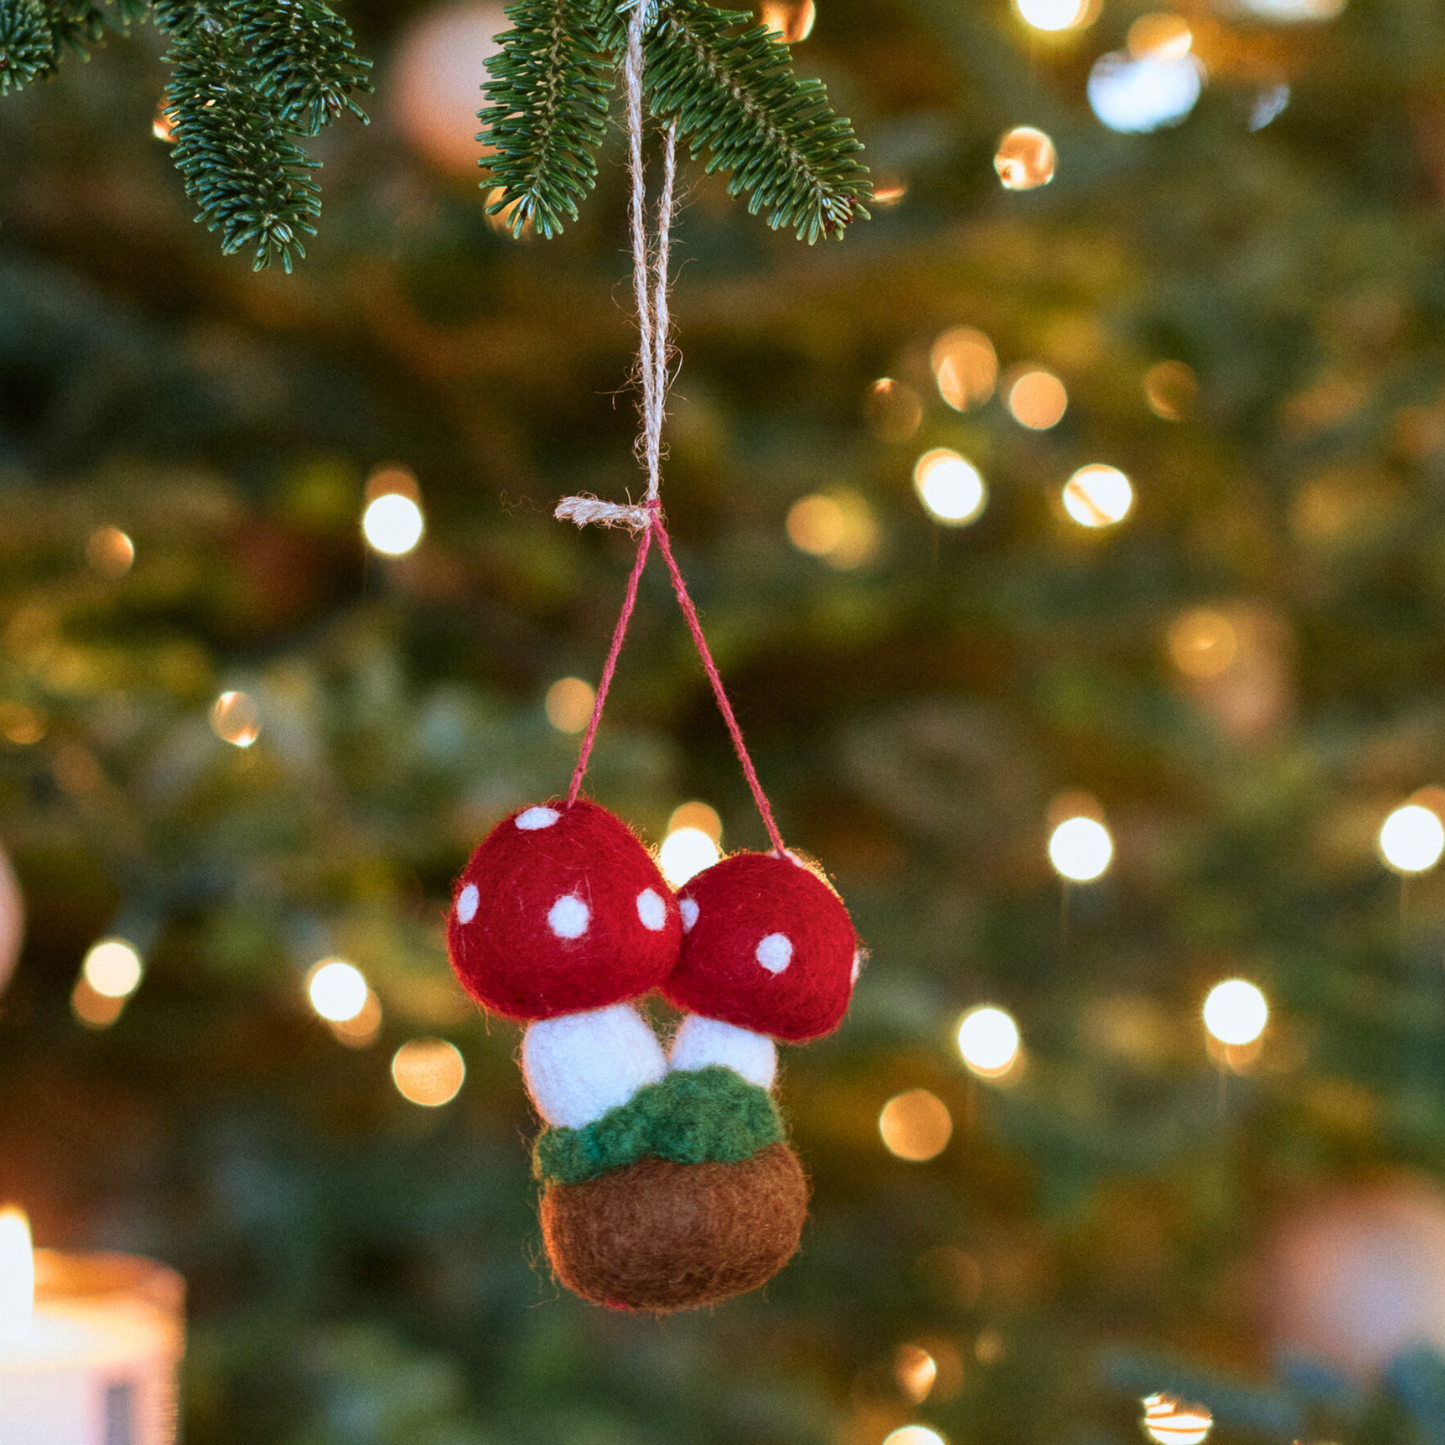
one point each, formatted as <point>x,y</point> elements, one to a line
<point>28,47</point>
<point>251,179</point>
<point>548,112</point>
<point>735,95</point>
<point>304,59</point>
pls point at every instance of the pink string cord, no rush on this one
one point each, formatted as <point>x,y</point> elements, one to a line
<point>710,667</point>
<point>609,667</point>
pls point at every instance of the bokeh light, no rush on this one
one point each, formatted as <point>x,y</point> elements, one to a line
<point>429,1072</point>
<point>914,1435</point>
<point>113,968</point>
<point>1168,1420</point>
<point>916,1125</point>
<point>791,20</point>
<point>1081,849</point>
<point>1160,34</point>
<point>1170,389</point>
<point>1025,159</point>
<point>363,1029</point>
<point>949,487</point>
<point>965,367</point>
<point>837,526</point>
<point>1203,642</point>
<point>1038,399</point>
<point>988,1041</point>
<point>1052,14</point>
<point>337,990</point>
<point>20,724</point>
<point>110,552</point>
<point>94,1010</point>
<point>1134,96</point>
<point>701,816</point>
<point>1412,839</point>
<point>892,409</point>
<point>393,524</point>
<point>1295,11</point>
<point>685,852</point>
<point>235,719</point>
<point>17,1276</point>
<point>915,1371</point>
<point>569,704</point>
<point>1098,496</point>
<point>1235,1012</point>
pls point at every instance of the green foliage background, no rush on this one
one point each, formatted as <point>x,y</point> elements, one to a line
<point>363,1271</point>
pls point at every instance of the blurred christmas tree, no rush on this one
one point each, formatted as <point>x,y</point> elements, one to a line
<point>245,740</point>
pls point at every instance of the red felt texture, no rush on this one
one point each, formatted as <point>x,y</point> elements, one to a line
<point>741,902</point>
<point>510,955</point>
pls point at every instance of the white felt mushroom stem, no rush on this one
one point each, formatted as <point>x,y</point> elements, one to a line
<point>701,1042</point>
<point>578,1066</point>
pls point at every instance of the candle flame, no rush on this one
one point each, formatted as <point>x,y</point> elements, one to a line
<point>17,1275</point>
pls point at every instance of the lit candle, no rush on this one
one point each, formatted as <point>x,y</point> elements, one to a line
<point>89,1345</point>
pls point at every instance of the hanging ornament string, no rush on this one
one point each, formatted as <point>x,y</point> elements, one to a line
<point>650,285</point>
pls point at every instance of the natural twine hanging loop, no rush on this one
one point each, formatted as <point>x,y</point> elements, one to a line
<point>650,257</point>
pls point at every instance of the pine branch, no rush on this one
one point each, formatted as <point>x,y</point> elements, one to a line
<point>305,60</point>
<point>735,95</point>
<point>548,112</point>
<point>250,178</point>
<point>28,47</point>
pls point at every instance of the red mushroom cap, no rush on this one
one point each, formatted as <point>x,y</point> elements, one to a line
<point>767,945</point>
<point>561,909</point>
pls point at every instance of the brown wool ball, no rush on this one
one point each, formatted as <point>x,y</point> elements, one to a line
<point>659,1236</point>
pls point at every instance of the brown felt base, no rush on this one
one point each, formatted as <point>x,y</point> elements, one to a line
<point>660,1237</point>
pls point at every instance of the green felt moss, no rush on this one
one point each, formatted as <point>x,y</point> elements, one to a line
<point>689,1117</point>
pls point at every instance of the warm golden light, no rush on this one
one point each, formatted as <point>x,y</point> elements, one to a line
<point>235,719</point>
<point>110,552</point>
<point>1203,642</point>
<point>1412,839</point>
<point>393,524</point>
<point>94,1010</point>
<point>914,1435</point>
<point>790,20</point>
<point>965,366</point>
<point>569,704</point>
<point>363,1030</point>
<point>685,852</point>
<point>1052,14</point>
<point>696,815</point>
<point>1160,35</point>
<point>501,221</point>
<point>162,127</point>
<point>1098,496</point>
<point>428,1072</point>
<point>1235,1012</point>
<point>915,1370</point>
<point>112,967</point>
<point>1168,1420</point>
<point>21,725</point>
<point>949,487</point>
<point>837,526</point>
<point>1081,849</point>
<point>17,1275</point>
<point>892,409</point>
<point>915,1126</point>
<point>1025,159</point>
<point>337,990</point>
<point>988,1041</point>
<point>1170,389</point>
<point>1038,400</point>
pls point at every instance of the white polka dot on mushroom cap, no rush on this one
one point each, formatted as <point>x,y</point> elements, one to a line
<point>535,818</point>
<point>688,908</point>
<point>467,903</point>
<point>651,910</point>
<point>569,917</point>
<point>775,952</point>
